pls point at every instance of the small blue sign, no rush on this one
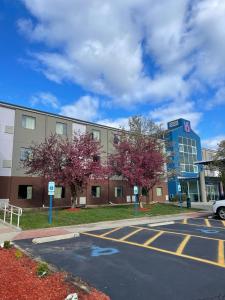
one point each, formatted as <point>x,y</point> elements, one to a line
<point>98,251</point>
<point>51,188</point>
<point>135,190</point>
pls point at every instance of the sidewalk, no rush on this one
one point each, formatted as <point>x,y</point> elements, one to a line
<point>8,233</point>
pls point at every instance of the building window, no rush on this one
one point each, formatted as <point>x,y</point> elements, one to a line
<point>25,192</point>
<point>116,139</point>
<point>96,191</point>
<point>118,191</point>
<point>159,191</point>
<point>182,167</point>
<point>96,135</point>
<point>61,128</point>
<point>25,153</point>
<point>96,158</point>
<point>187,154</point>
<point>195,169</point>
<point>181,148</point>
<point>59,192</point>
<point>28,122</point>
<point>7,163</point>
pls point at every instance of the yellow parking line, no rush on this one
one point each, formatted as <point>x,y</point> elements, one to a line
<point>221,252</point>
<point>192,224</point>
<point>207,223</point>
<point>152,239</point>
<point>179,233</point>
<point>130,234</point>
<point>111,231</point>
<point>183,244</point>
<point>218,264</point>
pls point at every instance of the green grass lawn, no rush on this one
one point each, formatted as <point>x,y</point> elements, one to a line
<point>63,217</point>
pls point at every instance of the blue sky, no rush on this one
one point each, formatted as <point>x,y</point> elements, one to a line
<point>104,61</point>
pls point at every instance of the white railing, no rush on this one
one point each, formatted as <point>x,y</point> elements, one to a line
<point>10,210</point>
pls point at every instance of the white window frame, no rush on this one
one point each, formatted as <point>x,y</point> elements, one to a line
<point>24,152</point>
<point>25,120</point>
<point>96,134</point>
<point>98,191</point>
<point>58,192</point>
<point>116,191</point>
<point>62,127</point>
<point>161,191</point>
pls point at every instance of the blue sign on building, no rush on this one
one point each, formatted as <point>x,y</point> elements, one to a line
<point>184,145</point>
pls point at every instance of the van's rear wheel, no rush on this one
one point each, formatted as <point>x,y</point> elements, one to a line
<point>221,213</point>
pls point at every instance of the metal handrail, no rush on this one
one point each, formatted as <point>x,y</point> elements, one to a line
<point>12,210</point>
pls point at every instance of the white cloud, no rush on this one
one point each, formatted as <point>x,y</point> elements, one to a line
<point>85,108</point>
<point>105,53</point>
<point>116,123</point>
<point>207,36</point>
<point>212,143</point>
<point>45,98</point>
<point>218,99</point>
<point>173,111</point>
<point>132,51</point>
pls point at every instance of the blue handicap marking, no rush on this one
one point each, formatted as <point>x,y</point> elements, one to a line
<point>208,230</point>
<point>98,251</point>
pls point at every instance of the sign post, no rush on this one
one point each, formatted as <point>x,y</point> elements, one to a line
<point>51,192</point>
<point>136,197</point>
<point>179,191</point>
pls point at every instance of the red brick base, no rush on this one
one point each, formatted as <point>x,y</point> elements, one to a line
<point>9,190</point>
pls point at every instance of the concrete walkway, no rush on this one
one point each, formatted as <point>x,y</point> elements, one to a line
<point>7,233</point>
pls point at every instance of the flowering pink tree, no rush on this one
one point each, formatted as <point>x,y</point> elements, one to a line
<point>139,158</point>
<point>67,162</point>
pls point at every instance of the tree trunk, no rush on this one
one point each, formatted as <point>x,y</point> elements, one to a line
<point>140,198</point>
<point>148,197</point>
<point>73,195</point>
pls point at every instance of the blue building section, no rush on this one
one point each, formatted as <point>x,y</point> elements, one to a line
<point>184,146</point>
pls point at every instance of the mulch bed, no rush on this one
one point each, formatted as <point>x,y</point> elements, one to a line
<point>143,209</point>
<point>73,209</point>
<point>18,281</point>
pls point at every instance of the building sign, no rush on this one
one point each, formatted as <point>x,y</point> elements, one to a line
<point>187,126</point>
<point>51,188</point>
<point>173,124</point>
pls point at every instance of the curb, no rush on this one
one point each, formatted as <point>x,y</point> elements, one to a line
<point>73,229</point>
<point>55,238</point>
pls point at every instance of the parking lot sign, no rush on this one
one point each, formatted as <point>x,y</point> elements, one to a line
<point>135,190</point>
<point>51,192</point>
<point>51,188</point>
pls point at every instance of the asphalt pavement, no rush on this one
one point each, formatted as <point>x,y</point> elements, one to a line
<point>181,261</point>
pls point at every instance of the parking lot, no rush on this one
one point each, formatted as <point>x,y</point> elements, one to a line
<point>184,260</point>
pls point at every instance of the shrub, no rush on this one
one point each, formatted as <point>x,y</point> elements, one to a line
<point>7,245</point>
<point>42,269</point>
<point>18,254</point>
<point>178,198</point>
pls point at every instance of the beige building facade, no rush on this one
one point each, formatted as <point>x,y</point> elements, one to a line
<point>20,127</point>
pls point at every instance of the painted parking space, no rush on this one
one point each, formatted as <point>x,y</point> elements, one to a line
<point>134,262</point>
<point>198,246</point>
<point>204,222</point>
<point>202,231</point>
